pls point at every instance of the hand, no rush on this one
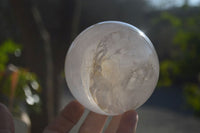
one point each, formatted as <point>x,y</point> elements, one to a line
<point>94,123</point>
<point>6,120</point>
<point>70,115</point>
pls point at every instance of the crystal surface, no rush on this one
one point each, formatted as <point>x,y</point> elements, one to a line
<point>112,67</point>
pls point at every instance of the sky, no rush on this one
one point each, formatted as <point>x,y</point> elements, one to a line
<point>172,3</point>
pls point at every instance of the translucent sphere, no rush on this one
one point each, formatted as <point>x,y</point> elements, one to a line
<point>112,67</point>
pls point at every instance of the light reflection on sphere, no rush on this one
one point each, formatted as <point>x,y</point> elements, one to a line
<point>111,67</point>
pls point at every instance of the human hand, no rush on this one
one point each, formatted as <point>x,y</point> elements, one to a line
<point>94,123</point>
<point>70,115</point>
<point>6,120</point>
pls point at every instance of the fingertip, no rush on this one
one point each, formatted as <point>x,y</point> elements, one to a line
<point>93,123</point>
<point>74,109</point>
<point>132,114</point>
<point>6,120</point>
<point>67,118</point>
<point>128,122</point>
<point>3,108</point>
<point>76,104</point>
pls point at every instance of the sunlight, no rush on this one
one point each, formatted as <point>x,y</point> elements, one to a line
<point>164,4</point>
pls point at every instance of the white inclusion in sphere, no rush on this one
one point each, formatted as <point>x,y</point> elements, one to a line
<point>112,67</point>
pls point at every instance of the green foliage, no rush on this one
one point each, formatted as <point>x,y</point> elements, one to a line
<point>192,94</point>
<point>169,70</point>
<point>172,19</point>
<point>7,48</point>
<point>183,68</point>
<point>27,89</point>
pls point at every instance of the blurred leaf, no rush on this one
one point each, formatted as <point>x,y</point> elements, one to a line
<point>22,81</point>
<point>169,69</point>
<point>183,67</point>
<point>192,94</point>
<point>172,19</point>
<point>7,48</point>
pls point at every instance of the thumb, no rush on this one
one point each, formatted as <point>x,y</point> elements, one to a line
<point>6,120</point>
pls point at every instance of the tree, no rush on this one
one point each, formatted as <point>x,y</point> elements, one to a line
<point>182,68</point>
<point>37,50</point>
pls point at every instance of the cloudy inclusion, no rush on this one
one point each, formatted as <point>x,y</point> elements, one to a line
<point>111,67</point>
<point>118,74</point>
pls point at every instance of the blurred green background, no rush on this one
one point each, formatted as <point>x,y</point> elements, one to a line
<point>36,34</point>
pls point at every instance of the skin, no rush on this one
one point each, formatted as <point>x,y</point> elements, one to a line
<point>70,115</point>
<point>6,120</point>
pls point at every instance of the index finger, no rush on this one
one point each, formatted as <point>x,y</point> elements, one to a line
<point>128,122</point>
<point>68,117</point>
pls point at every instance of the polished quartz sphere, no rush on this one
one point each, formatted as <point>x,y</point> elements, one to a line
<point>111,67</point>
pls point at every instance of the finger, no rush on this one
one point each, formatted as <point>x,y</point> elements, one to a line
<point>93,123</point>
<point>128,122</point>
<point>68,117</point>
<point>113,125</point>
<point>6,120</point>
